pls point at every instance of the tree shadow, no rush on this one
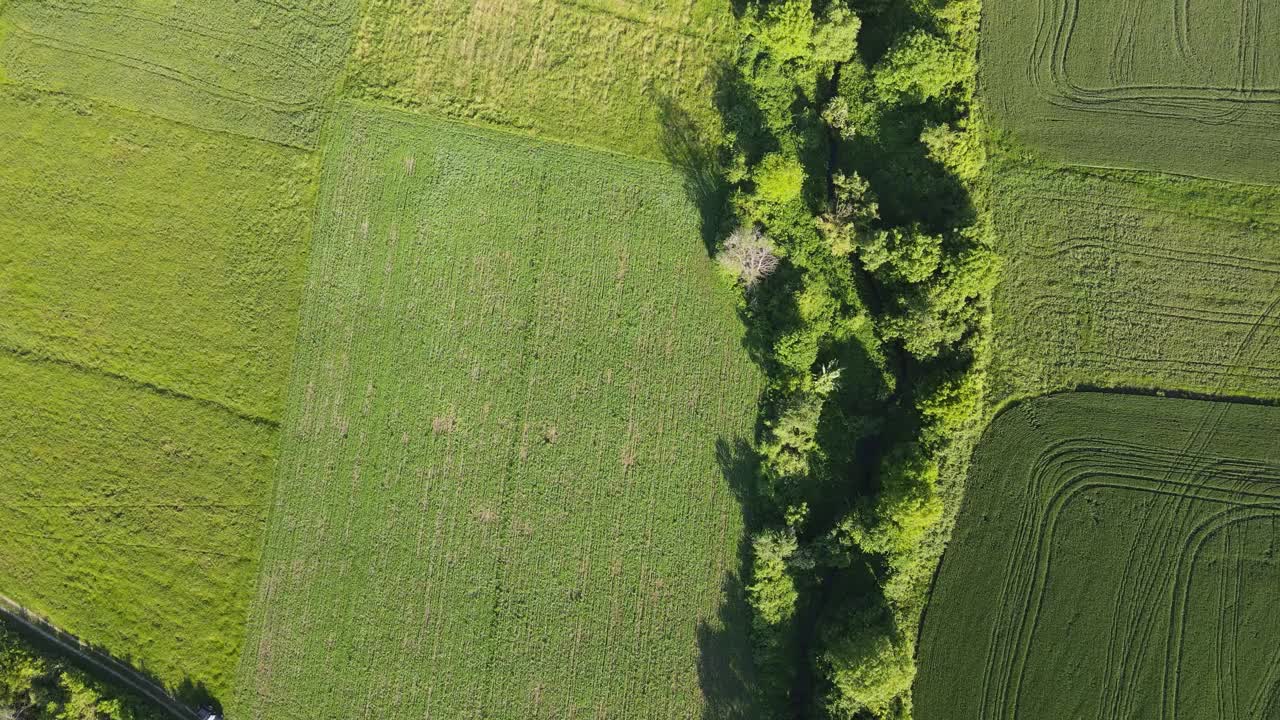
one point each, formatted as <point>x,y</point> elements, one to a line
<point>697,151</point>
<point>123,675</point>
<point>726,667</point>
<point>197,695</point>
<point>910,185</point>
<point>688,147</point>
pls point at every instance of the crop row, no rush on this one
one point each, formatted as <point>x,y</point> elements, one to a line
<point>501,491</point>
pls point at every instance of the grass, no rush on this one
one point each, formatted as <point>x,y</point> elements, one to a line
<point>132,519</point>
<point>1134,280</point>
<point>256,69</point>
<point>506,484</point>
<point>1190,89</point>
<point>584,71</point>
<point>151,250</point>
<point>1115,556</point>
<point>151,278</point>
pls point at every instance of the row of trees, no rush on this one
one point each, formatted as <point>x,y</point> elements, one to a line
<point>856,233</point>
<point>38,686</point>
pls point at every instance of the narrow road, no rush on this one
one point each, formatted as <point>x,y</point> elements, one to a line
<point>100,662</point>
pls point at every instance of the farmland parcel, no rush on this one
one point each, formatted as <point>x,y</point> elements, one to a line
<point>257,69</point>
<point>1135,280</point>
<point>587,71</point>
<point>148,301</point>
<point>1128,550</point>
<point>1192,88</point>
<point>505,485</point>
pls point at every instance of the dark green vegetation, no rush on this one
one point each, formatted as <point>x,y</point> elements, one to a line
<point>857,163</point>
<point>1126,551</point>
<point>507,481</point>
<point>39,685</point>
<point>1186,87</point>
<point>1134,280</point>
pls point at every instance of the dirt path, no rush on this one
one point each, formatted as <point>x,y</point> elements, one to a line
<point>98,661</point>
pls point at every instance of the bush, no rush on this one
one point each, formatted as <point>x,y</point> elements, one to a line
<point>34,686</point>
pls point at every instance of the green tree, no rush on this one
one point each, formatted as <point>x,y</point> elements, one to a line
<point>920,67</point>
<point>869,666</point>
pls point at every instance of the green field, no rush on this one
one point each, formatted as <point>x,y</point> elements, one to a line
<point>1178,87</point>
<point>261,69</point>
<point>1127,551</point>
<point>148,302</point>
<point>1134,280</point>
<point>130,518</point>
<point>585,71</point>
<point>505,484</point>
<point>151,250</point>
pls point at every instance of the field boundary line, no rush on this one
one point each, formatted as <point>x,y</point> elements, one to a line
<point>121,672</point>
<point>34,357</point>
<point>463,125</point>
<point>117,106</point>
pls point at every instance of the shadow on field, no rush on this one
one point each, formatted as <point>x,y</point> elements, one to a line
<point>686,146</point>
<point>725,668</point>
<point>123,673</point>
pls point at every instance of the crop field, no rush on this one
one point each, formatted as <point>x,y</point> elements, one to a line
<point>151,250</point>
<point>131,518</point>
<point>586,71</point>
<point>1127,547</point>
<point>1135,280</point>
<point>261,69</point>
<point>1172,85</point>
<point>506,478</point>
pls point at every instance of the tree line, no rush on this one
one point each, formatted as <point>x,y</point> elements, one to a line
<point>36,685</point>
<point>853,223</point>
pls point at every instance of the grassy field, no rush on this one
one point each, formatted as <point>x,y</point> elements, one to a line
<point>506,481</point>
<point>1185,87</point>
<point>151,250</point>
<point>261,69</point>
<point>130,518</point>
<point>1135,280</point>
<point>1126,547</point>
<point>149,291</point>
<point>587,71</point>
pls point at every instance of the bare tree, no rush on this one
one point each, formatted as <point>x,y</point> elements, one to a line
<point>749,255</point>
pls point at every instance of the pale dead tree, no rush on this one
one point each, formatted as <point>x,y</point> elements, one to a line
<point>749,255</point>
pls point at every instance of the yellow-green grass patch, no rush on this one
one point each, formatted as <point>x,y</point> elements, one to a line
<point>1134,280</point>
<point>131,519</point>
<point>261,69</point>
<point>586,72</point>
<point>151,250</point>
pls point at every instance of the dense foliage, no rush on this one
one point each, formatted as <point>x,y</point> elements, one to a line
<point>39,686</point>
<point>852,147</point>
